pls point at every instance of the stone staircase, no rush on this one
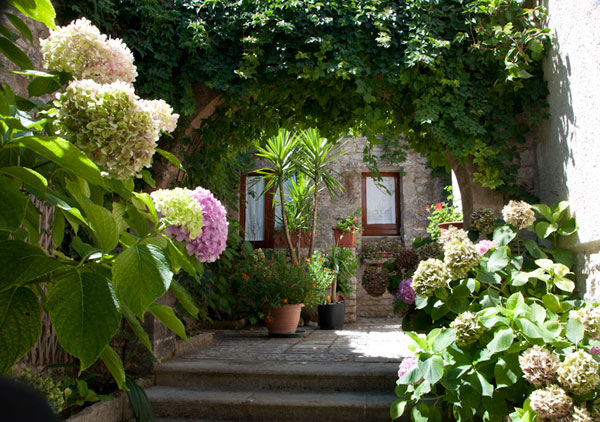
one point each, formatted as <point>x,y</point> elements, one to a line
<point>274,391</point>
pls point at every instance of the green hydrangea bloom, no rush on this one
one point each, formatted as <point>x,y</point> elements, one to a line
<point>430,275</point>
<point>468,328</point>
<point>177,207</point>
<point>460,256</point>
<point>590,318</point>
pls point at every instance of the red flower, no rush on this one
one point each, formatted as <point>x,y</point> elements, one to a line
<point>426,207</point>
<point>355,219</point>
<point>438,206</point>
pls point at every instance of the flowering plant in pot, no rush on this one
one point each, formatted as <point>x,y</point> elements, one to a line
<point>344,233</point>
<point>344,265</point>
<point>444,214</point>
<point>271,281</point>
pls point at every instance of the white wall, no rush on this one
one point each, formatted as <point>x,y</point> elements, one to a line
<point>568,150</point>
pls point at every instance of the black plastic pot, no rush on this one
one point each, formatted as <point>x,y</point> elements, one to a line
<point>331,316</point>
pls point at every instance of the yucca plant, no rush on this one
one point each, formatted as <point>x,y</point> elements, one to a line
<point>317,154</point>
<point>280,152</point>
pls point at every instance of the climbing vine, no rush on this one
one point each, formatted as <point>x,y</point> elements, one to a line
<point>457,78</point>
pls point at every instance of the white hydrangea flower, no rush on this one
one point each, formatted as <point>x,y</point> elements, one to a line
<point>551,402</point>
<point>519,214</point>
<point>162,114</point>
<point>430,275</point>
<point>578,373</point>
<point>80,48</point>
<point>453,234</point>
<point>539,366</point>
<point>590,318</point>
<point>106,122</point>
<point>178,207</point>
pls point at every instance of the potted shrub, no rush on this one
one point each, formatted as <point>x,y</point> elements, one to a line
<point>276,288</point>
<point>443,215</point>
<point>344,264</point>
<point>344,233</point>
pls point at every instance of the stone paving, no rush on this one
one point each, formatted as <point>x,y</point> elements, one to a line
<point>368,340</point>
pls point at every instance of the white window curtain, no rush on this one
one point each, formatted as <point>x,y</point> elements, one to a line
<point>286,191</point>
<point>255,210</point>
<point>381,205</point>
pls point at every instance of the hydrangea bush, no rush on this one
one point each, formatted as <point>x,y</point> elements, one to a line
<point>506,338</point>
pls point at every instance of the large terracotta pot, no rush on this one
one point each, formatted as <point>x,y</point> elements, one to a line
<point>348,240</point>
<point>279,240</point>
<point>284,320</point>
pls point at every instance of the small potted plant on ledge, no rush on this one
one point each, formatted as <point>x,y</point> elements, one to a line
<point>276,288</point>
<point>377,252</point>
<point>344,234</point>
<point>443,215</point>
<point>344,264</point>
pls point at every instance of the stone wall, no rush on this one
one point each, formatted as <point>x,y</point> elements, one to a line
<point>567,148</point>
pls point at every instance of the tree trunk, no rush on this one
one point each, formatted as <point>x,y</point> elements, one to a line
<point>286,230</point>
<point>313,233</point>
<point>473,194</point>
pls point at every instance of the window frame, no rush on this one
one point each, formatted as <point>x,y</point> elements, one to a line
<point>269,214</point>
<point>381,229</point>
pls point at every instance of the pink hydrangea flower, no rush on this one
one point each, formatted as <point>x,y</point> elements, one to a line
<point>406,365</point>
<point>594,350</point>
<point>485,245</point>
<point>209,245</point>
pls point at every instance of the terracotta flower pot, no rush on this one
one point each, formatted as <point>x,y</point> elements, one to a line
<point>347,240</point>
<point>445,226</point>
<point>284,320</point>
<point>279,240</point>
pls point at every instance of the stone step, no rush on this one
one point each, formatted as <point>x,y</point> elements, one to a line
<point>272,406</point>
<point>277,375</point>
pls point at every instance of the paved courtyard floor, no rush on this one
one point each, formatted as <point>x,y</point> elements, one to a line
<point>368,340</point>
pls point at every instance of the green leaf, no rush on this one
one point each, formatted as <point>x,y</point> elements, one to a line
<point>552,302</point>
<point>14,54</point>
<point>533,249</point>
<point>14,204</point>
<point>63,153</point>
<point>84,313</point>
<point>505,373</point>
<point>515,301</point>
<point>141,275</point>
<point>166,315</point>
<point>20,26</point>
<point>563,256</point>
<point>173,159</point>
<point>184,298</point>
<point>558,210</point>
<point>568,227</point>
<point>482,385</point>
<point>22,262</point>
<point>43,85</point>
<point>28,176</point>
<point>39,10</point>
<point>544,229</point>
<point>575,331</point>
<point>423,413</point>
<point>529,329</point>
<point>397,408</point>
<point>432,368</point>
<point>136,220</point>
<point>103,224</point>
<point>544,210</point>
<point>445,339</point>
<point>137,328</point>
<point>502,340</point>
<point>498,260</point>
<point>147,201</point>
<point>564,284</point>
<point>20,325</point>
<point>180,259</point>
<point>413,376</point>
<point>503,235</point>
<point>114,364</point>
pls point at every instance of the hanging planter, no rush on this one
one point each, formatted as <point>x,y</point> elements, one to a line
<point>375,280</point>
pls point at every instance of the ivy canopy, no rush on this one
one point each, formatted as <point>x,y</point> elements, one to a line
<point>449,76</point>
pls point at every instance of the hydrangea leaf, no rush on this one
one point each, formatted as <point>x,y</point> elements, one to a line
<point>84,314</point>
<point>11,216</point>
<point>22,262</point>
<point>166,315</point>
